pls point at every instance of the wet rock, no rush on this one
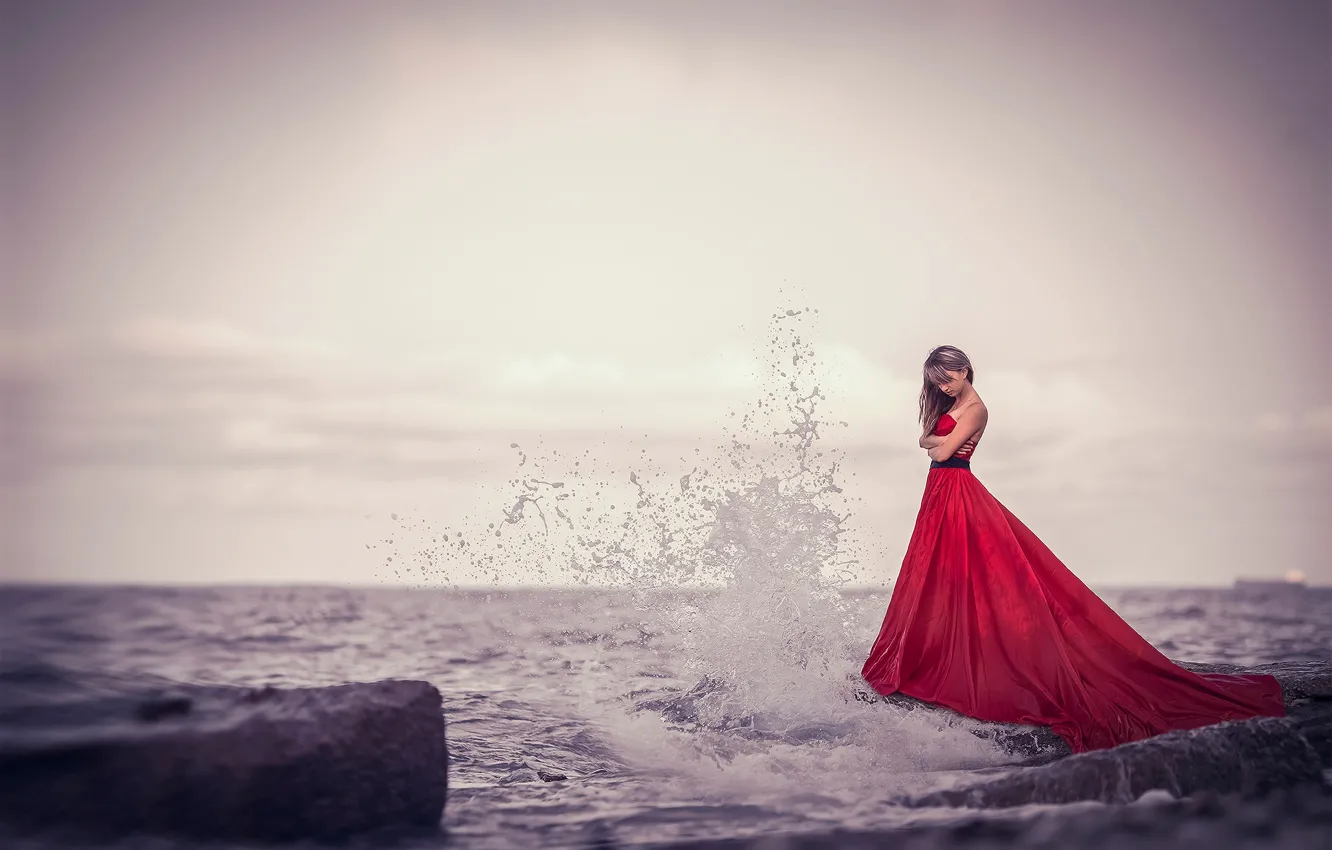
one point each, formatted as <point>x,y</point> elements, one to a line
<point>547,776</point>
<point>1247,757</point>
<point>221,763</point>
<point>1307,691</point>
<point>1033,744</point>
<point>1306,687</point>
<point>1300,680</point>
<point>1293,819</point>
<point>152,710</point>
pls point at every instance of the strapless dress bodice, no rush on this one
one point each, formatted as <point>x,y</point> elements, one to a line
<point>944,427</point>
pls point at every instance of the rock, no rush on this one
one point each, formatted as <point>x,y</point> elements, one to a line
<point>1035,744</point>
<point>1245,757</point>
<point>151,710</point>
<point>551,777</point>
<point>1249,757</point>
<point>1300,680</point>
<point>1306,687</point>
<point>264,765</point>
<point>1294,819</point>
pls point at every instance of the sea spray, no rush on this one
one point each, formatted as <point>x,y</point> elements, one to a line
<point>760,520</point>
<point>740,549</point>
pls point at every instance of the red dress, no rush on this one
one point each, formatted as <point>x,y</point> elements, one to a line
<point>985,620</point>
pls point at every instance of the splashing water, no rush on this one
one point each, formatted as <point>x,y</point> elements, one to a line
<point>741,550</point>
<point>759,520</point>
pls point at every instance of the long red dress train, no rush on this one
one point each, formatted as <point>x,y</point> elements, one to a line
<point>985,620</point>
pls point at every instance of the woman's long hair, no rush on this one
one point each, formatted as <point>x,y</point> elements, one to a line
<point>934,402</point>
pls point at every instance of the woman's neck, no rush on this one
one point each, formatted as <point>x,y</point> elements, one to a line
<point>968,395</point>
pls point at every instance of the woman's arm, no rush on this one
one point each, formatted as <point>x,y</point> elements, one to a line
<point>972,421</point>
<point>929,441</point>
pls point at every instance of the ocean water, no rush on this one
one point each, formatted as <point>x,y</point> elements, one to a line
<point>596,685</point>
<point>694,676</point>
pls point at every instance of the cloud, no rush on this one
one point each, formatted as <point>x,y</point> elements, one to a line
<point>202,417</point>
<point>563,371</point>
<point>216,414</point>
<point>170,338</point>
<point>1314,423</point>
<point>164,391</point>
<point>171,393</point>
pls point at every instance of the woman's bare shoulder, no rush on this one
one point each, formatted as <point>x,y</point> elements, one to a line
<point>976,409</point>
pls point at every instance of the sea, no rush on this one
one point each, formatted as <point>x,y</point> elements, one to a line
<point>601,688</point>
<point>689,669</point>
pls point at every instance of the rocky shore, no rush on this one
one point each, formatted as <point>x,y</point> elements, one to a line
<point>1262,783</point>
<point>1294,818</point>
<point>368,762</point>
<point>234,764</point>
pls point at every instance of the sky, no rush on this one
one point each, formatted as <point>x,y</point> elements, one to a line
<point>275,272</point>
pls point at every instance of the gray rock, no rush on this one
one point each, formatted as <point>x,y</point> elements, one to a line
<point>1249,757</point>
<point>1298,818</point>
<point>221,763</point>
<point>1300,680</point>
<point>1033,744</point>
<point>1306,686</point>
<point>1307,689</point>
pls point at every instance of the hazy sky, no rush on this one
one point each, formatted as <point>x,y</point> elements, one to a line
<point>277,270</point>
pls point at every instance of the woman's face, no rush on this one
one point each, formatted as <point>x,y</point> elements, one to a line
<point>957,379</point>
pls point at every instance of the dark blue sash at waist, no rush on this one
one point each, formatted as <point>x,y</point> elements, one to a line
<point>951,463</point>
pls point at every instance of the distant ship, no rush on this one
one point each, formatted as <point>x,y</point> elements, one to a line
<point>1293,579</point>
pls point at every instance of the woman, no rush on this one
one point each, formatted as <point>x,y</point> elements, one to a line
<point>985,619</point>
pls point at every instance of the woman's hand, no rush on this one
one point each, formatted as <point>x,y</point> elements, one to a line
<point>930,441</point>
<point>970,423</point>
